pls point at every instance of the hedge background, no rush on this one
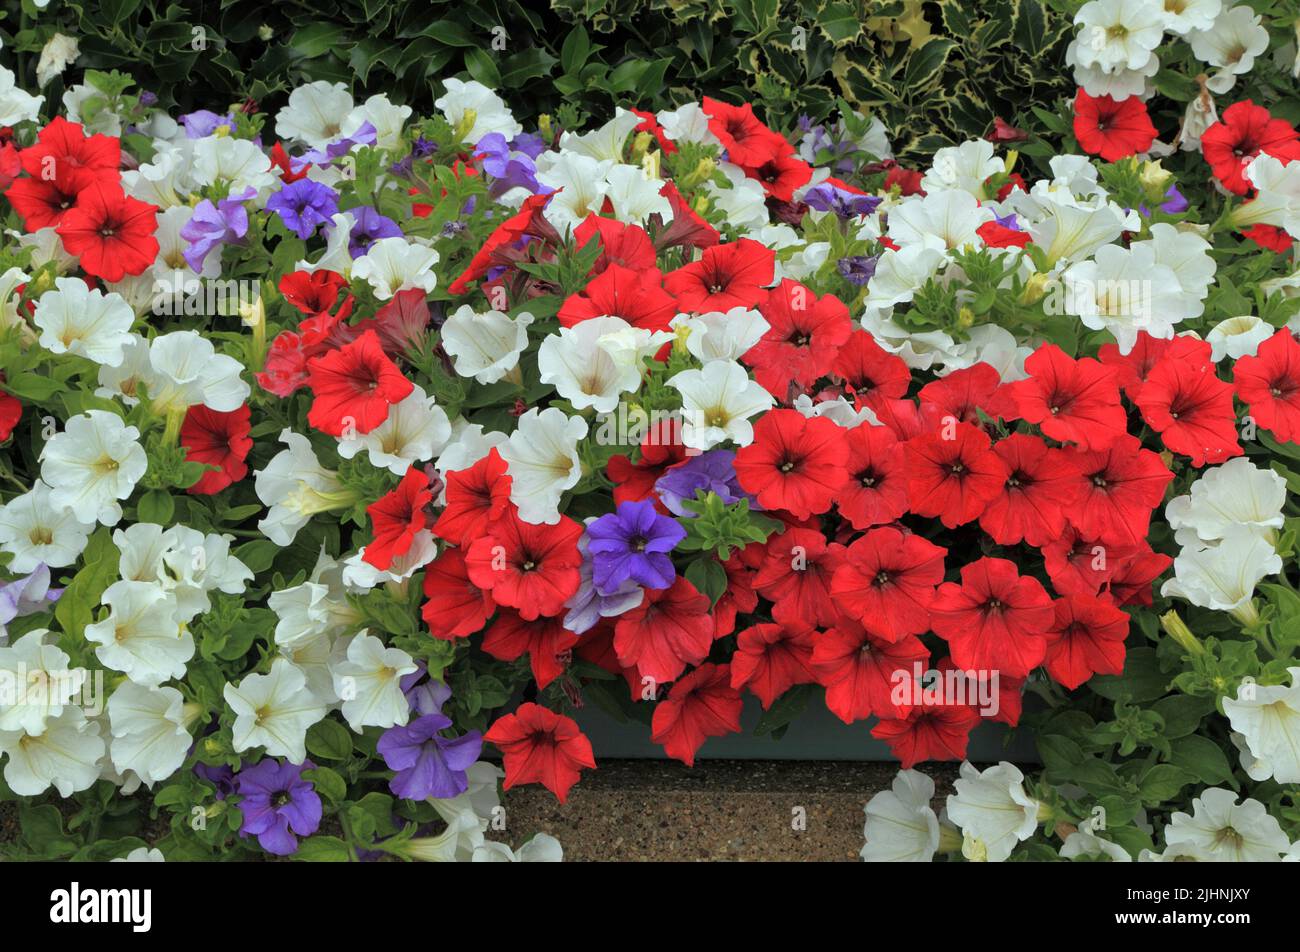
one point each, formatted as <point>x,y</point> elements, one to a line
<point>936,72</point>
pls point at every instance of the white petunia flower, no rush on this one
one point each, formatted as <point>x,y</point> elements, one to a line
<point>36,684</point>
<point>1119,84</point>
<point>1222,830</point>
<point>73,319</point>
<point>369,683</point>
<point>542,459</point>
<point>1268,719</point>
<point>485,346</point>
<point>1124,291</point>
<point>993,810</point>
<point>1187,254</point>
<point>387,119</point>
<point>1238,493</point>
<point>314,114</point>
<point>605,143</point>
<point>142,635</point>
<point>315,607</point>
<point>946,221</point>
<point>1224,576</point>
<point>187,371</point>
<point>634,195</point>
<point>295,486</point>
<point>16,105</point>
<point>474,104</point>
<point>744,203</point>
<point>839,411</point>
<point>717,402</point>
<point>964,167</point>
<point>141,854</point>
<point>58,53</point>
<point>581,187</point>
<point>721,336</point>
<point>395,264</point>
<point>542,848</point>
<point>1230,44</point>
<point>900,274</point>
<point>1277,201</point>
<point>595,362</point>
<point>274,711</point>
<point>66,756</point>
<point>901,826</point>
<point>1087,843</point>
<point>1071,232</point>
<point>37,532</point>
<point>687,123</point>
<point>92,463</point>
<point>238,163</point>
<point>414,432</point>
<point>150,735</point>
<point>1183,16</point>
<point>123,381</point>
<point>1238,337</point>
<point>1118,34</point>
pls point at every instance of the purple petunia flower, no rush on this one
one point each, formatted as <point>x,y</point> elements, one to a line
<point>212,225</point>
<point>277,803</point>
<point>424,695</point>
<point>368,227</point>
<point>1174,204</point>
<point>587,606</point>
<point>713,471</point>
<point>203,122</point>
<point>220,776</point>
<point>845,204</point>
<point>633,542</point>
<point>365,135</point>
<point>304,205</point>
<point>507,169</point>
<point>26,596</point>
<point>857,269</point>
<point>426,763</point>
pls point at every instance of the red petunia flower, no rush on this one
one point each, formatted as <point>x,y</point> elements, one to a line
<point>994,620</point>
<point>1074,401</point>
<point>795,463</point>
<point>11,411</point>
<point>455,607</point>
<point>1083,565</point>
<point>1007,698</point>
<point>539,746</point>
<point>1113,130</point>
<point>1086,638</point>
<point>876,491</point>
<point>1270,237</point>
<point>1241,134</point>
<point>285,370</point>
<point>1130,584</point>
<point>804,337</point>
<point>748,142</point>
<point>687,229</point>
<point>1121,487</point>
<point>354,385</point>
<point>740,597</point>
<point>620,243</point>
<point>1269,383</point>
<point>635,296</point>
<point>888,581</point>
<point>218,439</point>
<point>903,417</point>
<point>532,568</point>
<point>863,673</point>
<point>1184,401</point>
<point>40,203</point>
<point>953,473</point>
<point>1131,369</point>
<point>772,658</point>
<point>908,181</point>
<point>661,450</point>
<point>782,174</point>
<point>869,369</point>
<point>701,705</point>
<point>476,497</point>
<point>545,640</point>
<point>111,233</point>
<point>931,732</point>
<point>63,150</point>
<point>312,292</point>
<point>670,629</point>
<point>527,221</point>
<point>796,574</point>
<point>1042,485</point>
<point>396,518</point>
<point>280,160</point>
<point>960,395</point>
<point>732,275</point>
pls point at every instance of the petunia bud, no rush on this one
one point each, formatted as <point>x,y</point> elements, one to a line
<point>1177,629</point>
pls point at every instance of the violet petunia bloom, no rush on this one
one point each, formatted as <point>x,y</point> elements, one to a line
<point>857,269</point>
<point>587,606</point>
<point>424,695</point>
<point>426,763</point>
<point>713,472</point>
<point>277,803</point>
<point>203,122</point>
<point>845,204</point>
<point>26,596</point>
<point>367,228</point>
<point>1175,203</point>
<point>304,205</point>
<point>633,542</point>
<point>365,135</point>
<point>220,776</point>
<point>213,225</point>
<point>507,169</point>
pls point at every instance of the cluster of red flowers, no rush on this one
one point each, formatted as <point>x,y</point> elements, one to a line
<point>73,185</point>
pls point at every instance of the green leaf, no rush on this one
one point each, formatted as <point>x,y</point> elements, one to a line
<point>329,740</point>
<point>323,849</point>
<point>784,709</point>
<point>156,506</point>
<point>75,608</point>
<point>1203,759</point>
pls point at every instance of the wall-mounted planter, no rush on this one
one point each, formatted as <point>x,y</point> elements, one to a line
<point>816,734</point>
